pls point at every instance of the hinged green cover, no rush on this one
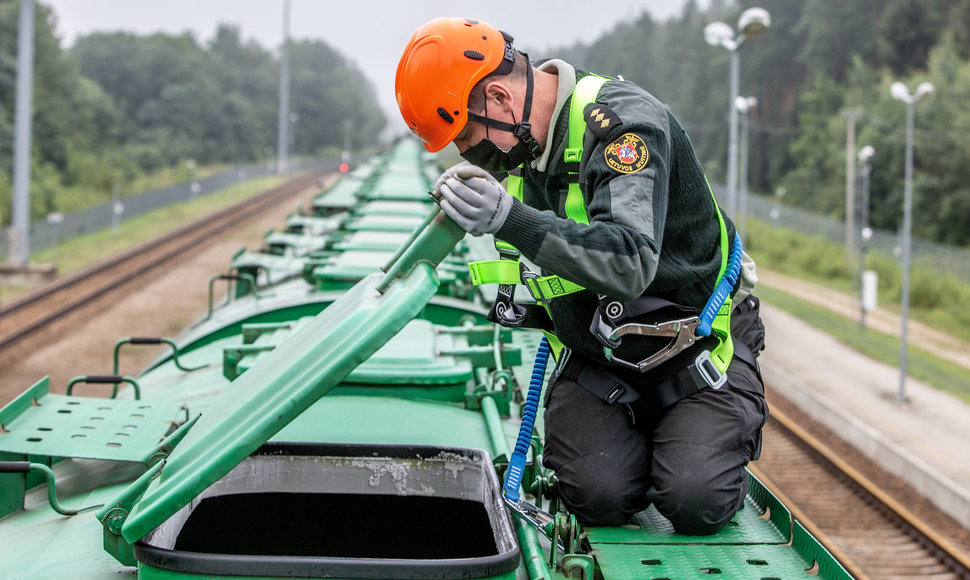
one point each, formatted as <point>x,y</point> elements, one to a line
<point>312,361</point>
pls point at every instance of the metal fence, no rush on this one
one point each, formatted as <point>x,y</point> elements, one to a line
<point>936,258</point>
<point>50,232</point>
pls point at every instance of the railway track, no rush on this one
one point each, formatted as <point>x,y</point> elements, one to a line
<point>63,301</point>
<point>871,533</point>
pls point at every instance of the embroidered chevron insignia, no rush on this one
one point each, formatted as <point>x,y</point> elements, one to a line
<point>601,119</point>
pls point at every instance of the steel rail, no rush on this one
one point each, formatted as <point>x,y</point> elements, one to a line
<point>911,529</point>
<point>180,240</point>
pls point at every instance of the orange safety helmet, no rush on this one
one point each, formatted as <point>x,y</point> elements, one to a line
<point>441,64</point>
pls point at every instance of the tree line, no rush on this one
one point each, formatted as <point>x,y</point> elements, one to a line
<point>818,63</point>
<point>115,106</point>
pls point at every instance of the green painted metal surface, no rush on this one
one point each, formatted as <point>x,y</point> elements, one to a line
<point>387,420</point>
<point>411,357</point>
<point>342,195</point>
<point>383,223</point>
<point>272,394</point>
<point>39,423</point>
<point>40,544</point>
<point>370,241</point>
<point>344,269</point>
<point>312,225</point>
<point>748,526</point>
<point>294,244</point>
<point>315,360</point>
<point>403,208</point>
<point>685,561</point>
<point>762,541</point>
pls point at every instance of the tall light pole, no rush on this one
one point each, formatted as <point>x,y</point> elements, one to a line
<point>283,125</point>
<point>851,116</point>
<point>865,232</point>
<point>899,92</point>
<point>752,23</point>
<point>20,233</point>
<point>744,106</point>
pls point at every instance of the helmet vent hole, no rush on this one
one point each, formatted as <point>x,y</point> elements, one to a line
<point>444,115</point>
<point>474,55</point>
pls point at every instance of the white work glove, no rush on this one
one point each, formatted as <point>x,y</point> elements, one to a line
<point>474,199</point>
<point>450,172</point>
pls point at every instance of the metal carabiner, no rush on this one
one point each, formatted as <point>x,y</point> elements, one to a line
<point>682,330</point>
<point>537,518</point>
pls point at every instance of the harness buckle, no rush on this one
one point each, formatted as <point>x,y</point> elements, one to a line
<point>708,371</point>
<point>530,280</point>
<point>507,253</point>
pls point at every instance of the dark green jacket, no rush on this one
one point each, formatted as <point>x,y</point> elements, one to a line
<point>652,229</point>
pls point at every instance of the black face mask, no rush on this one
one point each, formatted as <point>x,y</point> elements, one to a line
<point>489,157</point>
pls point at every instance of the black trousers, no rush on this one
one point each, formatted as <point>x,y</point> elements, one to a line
<point>614,460</point>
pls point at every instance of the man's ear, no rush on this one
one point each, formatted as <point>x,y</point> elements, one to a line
<point>498,94</point>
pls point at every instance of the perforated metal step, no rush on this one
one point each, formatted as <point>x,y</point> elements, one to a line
<point>45,424</point>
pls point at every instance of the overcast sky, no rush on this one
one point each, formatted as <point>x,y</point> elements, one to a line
<point>371,33</point>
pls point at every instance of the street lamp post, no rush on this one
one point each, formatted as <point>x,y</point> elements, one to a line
<point>19,242</point>
<point>865,232</point>
<point>744,105</point>
<point>284,105</point>
<point>752,23</point>
<point>899,92</point>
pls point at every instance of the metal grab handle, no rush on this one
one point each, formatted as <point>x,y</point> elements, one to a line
<point>249,278</point>
<point>26,466</point>
<point>14,466</point>
<point>140,341</point>
<point>105,380</point>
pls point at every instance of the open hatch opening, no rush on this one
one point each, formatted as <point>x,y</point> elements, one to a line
<point>348,511</point>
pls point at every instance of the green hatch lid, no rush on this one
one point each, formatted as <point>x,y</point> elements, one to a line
<point>314,359</point>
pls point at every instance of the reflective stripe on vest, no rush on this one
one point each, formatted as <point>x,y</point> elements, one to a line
<point>507,271</point>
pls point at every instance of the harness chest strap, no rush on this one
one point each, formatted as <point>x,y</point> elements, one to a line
<point>507,271</point>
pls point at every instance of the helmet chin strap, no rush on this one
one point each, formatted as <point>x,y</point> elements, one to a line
<point>523,129</point>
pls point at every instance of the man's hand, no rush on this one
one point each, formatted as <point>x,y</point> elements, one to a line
<point>474,199</point>
<point>450,172</point>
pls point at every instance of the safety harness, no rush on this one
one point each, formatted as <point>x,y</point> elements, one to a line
<point>613,319</point>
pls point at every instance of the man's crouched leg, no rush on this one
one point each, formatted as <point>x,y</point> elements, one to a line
<point>600,459</point>
<point>701,447</point>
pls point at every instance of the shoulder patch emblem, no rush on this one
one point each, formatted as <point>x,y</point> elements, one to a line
<point>627,153</point>
<point>601,119</point>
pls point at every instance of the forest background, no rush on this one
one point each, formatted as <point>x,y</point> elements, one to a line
<point>115,107</point>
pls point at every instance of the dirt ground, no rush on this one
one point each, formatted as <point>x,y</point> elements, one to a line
<point>163,304</point>
<point>940,344</point>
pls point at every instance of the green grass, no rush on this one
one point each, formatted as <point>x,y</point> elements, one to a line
<point>79,252</point>
<point>922,365</point>
<point>939,301</point>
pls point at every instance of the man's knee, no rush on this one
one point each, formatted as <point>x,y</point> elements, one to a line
<point>600,500</point>
<point>697,507</point>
